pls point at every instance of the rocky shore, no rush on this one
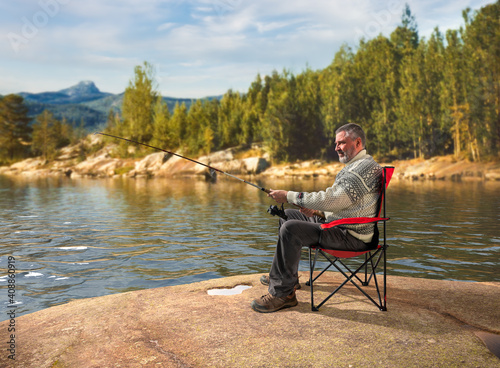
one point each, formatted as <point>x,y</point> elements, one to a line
<point>241,161</point>
<point>429,323</point>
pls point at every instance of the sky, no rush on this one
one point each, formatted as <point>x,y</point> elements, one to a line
<point>197,48</point>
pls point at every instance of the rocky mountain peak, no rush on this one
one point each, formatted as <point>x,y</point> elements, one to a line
<point>84,88</point>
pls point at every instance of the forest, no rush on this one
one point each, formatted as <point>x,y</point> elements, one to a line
<point>414,97</point>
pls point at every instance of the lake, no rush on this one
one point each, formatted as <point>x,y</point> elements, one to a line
<point>79,238</point>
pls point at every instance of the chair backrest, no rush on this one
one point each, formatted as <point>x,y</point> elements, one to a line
<point>386,179</point>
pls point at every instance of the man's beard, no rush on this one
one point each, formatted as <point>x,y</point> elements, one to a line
<point>347,156</point>
<point>344,159</point>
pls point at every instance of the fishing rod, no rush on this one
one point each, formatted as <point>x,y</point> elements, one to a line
<point>273,210</point>
<point>187,158</point>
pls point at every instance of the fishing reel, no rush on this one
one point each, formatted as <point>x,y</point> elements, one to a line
<point>276,211</point>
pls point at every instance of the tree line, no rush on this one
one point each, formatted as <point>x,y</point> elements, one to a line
<point>414,97</point>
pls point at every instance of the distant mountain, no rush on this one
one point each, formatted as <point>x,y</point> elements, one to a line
<point>85,103</point>
<point>82,92</point>
<point>84,88</point>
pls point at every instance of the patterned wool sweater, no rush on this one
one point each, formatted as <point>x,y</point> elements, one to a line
<point>355,193</point>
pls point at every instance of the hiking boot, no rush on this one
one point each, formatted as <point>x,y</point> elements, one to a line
<point>268,303</point>
<point>264,280</point>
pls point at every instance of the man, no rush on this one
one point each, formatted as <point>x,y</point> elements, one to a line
<point>355,193</point>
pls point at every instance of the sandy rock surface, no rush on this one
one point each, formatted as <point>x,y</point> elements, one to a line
<point>429,323</point>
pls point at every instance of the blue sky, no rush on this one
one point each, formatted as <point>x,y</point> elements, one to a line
<point>198,48</point>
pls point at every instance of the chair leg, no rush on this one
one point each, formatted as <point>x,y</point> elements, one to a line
<point>308,283</point>
<point>366,282</point>
<point>374,259</point>
<point>353,275</point>
<point>374,267</point>
<point>312,264</point>
<point>384,306</point>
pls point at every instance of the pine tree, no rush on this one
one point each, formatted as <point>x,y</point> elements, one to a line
<point>45,136</point>
<point>178,124</point>
<point>410,109</point>
<point>308,130</point>
<point>201,122</point>
<point>482,49</point>
<point>341,103</point>
<point>212,140</point>
<point>437,139</point>
<point>454,95</point>
<point>163,134</point>
<point>194,130</point>
<point>405,37</point>
<point>253,111</point>
<point>376,70</point>
<point>138,104</point>
<point>14,127</point>
<point>230,119</point>
<point>293,128</point>
<point>276,120</point>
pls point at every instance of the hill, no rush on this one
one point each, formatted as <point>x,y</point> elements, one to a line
<point>84,102</point>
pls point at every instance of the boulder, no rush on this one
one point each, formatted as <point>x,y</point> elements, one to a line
<point>255,165</point>
<point>492,175</point>
<point>219,156</point>
<point>100,166</point>
<point>149,165</point>
<point>29,164</point>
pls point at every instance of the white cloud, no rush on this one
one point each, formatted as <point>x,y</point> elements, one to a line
<point>204,9</point>
<point>272,26</point>
<point>165,26</point>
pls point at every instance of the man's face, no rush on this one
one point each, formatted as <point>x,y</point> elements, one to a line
<point>346,147</point>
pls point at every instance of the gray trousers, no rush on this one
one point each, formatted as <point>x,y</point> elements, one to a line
<point>297,232</point>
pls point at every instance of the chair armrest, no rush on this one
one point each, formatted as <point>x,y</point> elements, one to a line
<point>353,221</point>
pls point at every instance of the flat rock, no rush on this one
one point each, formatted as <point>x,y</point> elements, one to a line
<point>429,323</point>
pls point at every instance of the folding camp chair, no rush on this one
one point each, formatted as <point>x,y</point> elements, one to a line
<point>372,258</point>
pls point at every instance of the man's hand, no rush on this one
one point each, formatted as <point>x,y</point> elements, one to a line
<point>278,195</point>
<point>310,213</point>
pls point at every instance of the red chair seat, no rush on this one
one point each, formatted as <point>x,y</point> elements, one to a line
<point>346,253</point>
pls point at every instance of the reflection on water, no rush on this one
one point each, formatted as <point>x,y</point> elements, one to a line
<point>85,238</point>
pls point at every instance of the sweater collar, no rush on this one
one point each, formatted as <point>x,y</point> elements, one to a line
<point>361,155</point>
